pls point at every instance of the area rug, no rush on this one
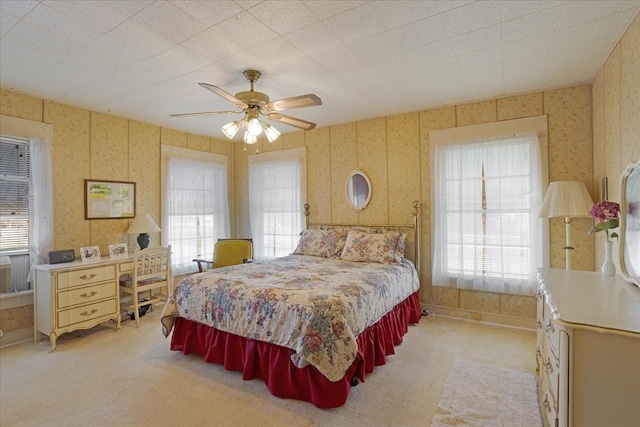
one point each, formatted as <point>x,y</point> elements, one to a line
<point>477,394</point>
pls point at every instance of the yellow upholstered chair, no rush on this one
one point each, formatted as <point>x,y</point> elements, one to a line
<point>151,271</point>
<point>229,252</point>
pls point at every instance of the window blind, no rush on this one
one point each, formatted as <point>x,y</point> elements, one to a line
<point>16,194</point>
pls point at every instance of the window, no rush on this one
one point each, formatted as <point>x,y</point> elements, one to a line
<point>196,210</point>
<point>487,231</point>
<point>276,187</point>
<point>16,195</point>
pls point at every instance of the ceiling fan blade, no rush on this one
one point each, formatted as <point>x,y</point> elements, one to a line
<point>301,101</point>
<point>205,113</point>
<point>226,95</point>
<point>291,121</point>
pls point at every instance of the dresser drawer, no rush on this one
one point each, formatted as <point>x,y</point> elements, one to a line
<point>86,312</point>
<point>75,296</point>
<point>86,276</point>
<point>125,267</point>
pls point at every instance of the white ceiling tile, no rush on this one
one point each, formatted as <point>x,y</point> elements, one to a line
<point>324,9</point>
<point>179,59</point>
<point>432,52</point>
<point>581,11</point>
<point>283,17</point>
<point>129,7</point>
<point>485,58</point>
<point>338,57</point>
<point>535,24</point>
<point>212,44</point>
<point>356,23</point>
<point>14,53</point>
<point>421,32</point>
<point>43,39</point>
<point>477,40</point>
<point>7,21</point>
<point>314,38</point>
<point>149,71</point>
<point>276,51</point>
<point>437,70</point>
<point>18,8</point>
<point>374,46</point>
<point>245,30</point>
<point>47,18</point>
<point>471,17</point>
<point>624,20</point>
<point>528,47</point>
<point>96,14</point>
<point>170,21</point>
<point>516,8</point>
<point>209,12</point>
<point>444,6</point>
<point>393,16</point>
<point>141,38</point>
<point>575,37</point>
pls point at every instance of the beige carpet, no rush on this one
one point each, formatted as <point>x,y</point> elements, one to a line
<point>130,378</point>
<point>480,395</point>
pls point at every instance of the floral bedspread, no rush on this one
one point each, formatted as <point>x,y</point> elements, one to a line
<point>315,306</point>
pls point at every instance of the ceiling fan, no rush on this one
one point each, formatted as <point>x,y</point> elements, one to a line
<point>253,104</point>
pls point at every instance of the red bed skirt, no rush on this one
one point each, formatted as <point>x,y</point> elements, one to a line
<point>272,363</point>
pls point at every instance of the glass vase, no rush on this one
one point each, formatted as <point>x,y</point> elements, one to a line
<point>608,267</point>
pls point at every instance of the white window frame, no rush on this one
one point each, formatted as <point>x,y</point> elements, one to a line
<point>483,132</point>
<point>257,227</point>
<point>167,151</point>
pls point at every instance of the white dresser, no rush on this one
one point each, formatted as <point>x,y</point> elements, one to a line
<point>77,295</point>
<point>588,349</point>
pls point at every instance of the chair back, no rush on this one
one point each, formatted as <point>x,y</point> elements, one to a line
<point>231,252</point>
<point>152,265</point>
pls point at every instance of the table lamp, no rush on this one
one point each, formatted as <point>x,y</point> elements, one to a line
<point>568,200</point>
<point>143,225</point>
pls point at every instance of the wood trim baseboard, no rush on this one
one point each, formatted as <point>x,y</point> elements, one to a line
<point>493,319</point>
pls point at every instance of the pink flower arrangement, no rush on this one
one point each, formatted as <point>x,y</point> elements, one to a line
<point>607,213</point>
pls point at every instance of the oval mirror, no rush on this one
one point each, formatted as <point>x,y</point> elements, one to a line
<point>630,224</point>
<point>358,190</point>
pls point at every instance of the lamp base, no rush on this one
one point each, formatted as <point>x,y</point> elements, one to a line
<point>143,240</point>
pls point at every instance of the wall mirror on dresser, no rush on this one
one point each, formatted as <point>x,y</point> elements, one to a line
<point>359,190</point>
<point>630,224</point>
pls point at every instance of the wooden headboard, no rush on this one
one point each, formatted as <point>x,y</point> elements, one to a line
<point>414,232</point>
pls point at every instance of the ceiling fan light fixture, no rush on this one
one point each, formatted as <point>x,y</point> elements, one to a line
<point>271,133</point>
<point>254,127</point>
<point>250,138</point>
<point>230,129</point>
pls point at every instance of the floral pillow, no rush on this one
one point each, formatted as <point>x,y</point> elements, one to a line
<point>322,243</point>
<point>401,246</point>
<point>371,247</point>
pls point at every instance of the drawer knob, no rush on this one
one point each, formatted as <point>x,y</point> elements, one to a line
<point>86,295</point>
<point>550,329</point>
<point>538,325</point>
<point>546,403</point>
<point>91,276</point>
<point>87,313</point>
<point>549,367</point>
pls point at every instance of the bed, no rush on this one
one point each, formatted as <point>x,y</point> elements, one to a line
<point>312,324</point>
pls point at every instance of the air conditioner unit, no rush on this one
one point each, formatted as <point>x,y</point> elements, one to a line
<point>5,274</point>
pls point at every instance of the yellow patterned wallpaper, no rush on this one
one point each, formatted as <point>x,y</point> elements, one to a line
<point>616,119</point>
<point>91,145</point>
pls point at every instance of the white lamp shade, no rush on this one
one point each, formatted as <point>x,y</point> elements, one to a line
<point>568,199</point>
<point>250,138</point>
<point>254,127</point>
<point>143,224</point>
<point>271,132</point>
<point>230,129</point>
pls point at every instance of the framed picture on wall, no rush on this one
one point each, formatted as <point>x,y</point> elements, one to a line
<point>109,199</point>
<point>90,253</point>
